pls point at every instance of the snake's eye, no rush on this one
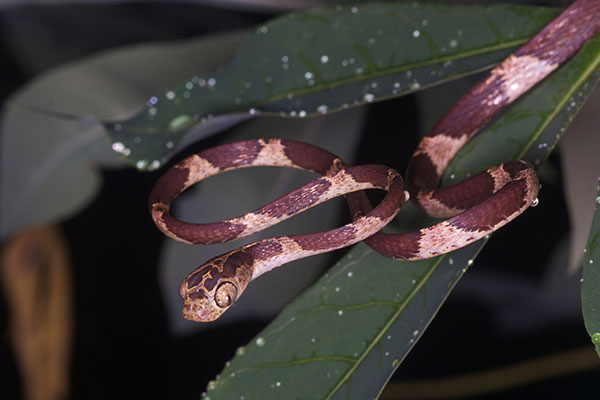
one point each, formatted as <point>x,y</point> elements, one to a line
<point>226,294</point>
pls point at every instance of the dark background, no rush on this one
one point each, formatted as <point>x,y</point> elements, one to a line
<point>119,353</point>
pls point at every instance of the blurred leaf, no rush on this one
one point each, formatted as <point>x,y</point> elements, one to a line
<point>533,126</point>
<point>36,282</point>
<point>238,192</point>
<point>590,295</point>
<point>326,60</point>
<point>49,164</point>
<point>580,166</point>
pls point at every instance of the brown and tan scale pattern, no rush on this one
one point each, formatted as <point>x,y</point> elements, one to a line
<point>474,207</point>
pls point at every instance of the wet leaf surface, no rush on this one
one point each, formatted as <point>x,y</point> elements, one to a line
<point>372,52</point>
<point>48,162</point>
<point>590,287</point>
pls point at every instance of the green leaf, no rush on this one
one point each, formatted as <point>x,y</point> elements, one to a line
<point>320,61</point>
<point>48,164</point>
<point>346,334</point>
<point>590,288</point>
<point>533,126</point>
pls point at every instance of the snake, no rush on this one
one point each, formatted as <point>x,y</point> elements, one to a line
<point>472,208</point>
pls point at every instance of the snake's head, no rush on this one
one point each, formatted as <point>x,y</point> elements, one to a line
<point>215,286</point>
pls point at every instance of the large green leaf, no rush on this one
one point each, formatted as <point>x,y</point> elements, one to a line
<point>48,164</point>
<point>320,61</point>
<point>346,335</point>
<point>590,288</point>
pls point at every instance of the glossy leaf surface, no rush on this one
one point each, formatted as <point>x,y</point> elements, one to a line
<point>324,60</point>
<point>590,293</point>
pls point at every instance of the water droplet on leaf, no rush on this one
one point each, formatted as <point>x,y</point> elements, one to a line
<point>181,122</point>
<point>369,97</point>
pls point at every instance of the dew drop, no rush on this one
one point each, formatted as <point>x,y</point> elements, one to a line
<point>264,29</point>
<point>240,351</point>
<point>596,338</point>
<point>120,148</point>
<point>396,362</point>
<point>278,384</point>
<point>337,289</point>
<point>354,10</point>
<point>415,333</point>
<point>350,274</point>
<point>598,199</point>
<point>453,43</point>
<point>253,111</point>
<point>323,109</point>
<point>312,340</point>
<point>369,97</point>
<point>470,262</point>
<point>450,261</point>
<point>324,59</point>
<point>154,165</point>
<point>260,342</point>
<point>416,33</point>
<point>340,312</point>
<point>152,111</point>
<point>308,75</point>
<point>212,385</point>
<point>180,122</point>
<point>170,95</point>
<point>141,164</point>
<point>535,202</point>
<point>397,85</point>
<point>591,261</point>
<point>424,22</point>
<point>302,113</point>
<point>415,85</point>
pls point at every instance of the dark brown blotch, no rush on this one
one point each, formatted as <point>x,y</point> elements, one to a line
<point>335,238</point>
<point>215,232</point>
<point>467,193</point>
<point>513,168</point>
<point>239,258</point>
<point>308,157</point>
<point>399,246</point>
<point>168,186</point>
<point>421,175</point>
<point>296,201</point>
<point>265,250</point>
<point>198,295</point>
<point>232,154</point>
<point>497,208</point>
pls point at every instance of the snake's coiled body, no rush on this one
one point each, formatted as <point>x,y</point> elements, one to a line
<point>474,207</point>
